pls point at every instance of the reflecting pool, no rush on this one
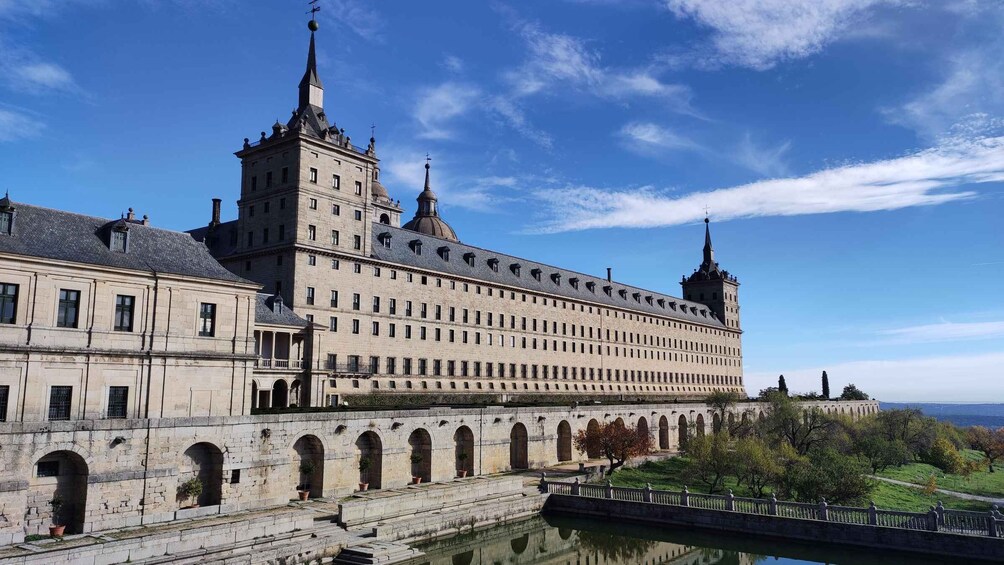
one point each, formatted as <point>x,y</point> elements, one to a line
<point>555,540</point>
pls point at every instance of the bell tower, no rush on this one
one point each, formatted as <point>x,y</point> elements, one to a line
<point>713,287</point>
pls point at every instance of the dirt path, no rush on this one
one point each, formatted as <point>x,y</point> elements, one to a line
<point>988,499</point>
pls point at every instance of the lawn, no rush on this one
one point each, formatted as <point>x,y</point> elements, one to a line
<point>668,474</point>
<point>982,482</point>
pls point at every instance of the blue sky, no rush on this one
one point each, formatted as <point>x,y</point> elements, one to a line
<point>851,152</point>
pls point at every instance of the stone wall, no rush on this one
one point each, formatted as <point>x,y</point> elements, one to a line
<point>133,468</point>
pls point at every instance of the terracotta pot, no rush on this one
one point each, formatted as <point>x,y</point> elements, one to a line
<point>304,494</point>
<point>56,531</point>
<point>364,486</point>
<point>416,480</point>
<point>462,473</point>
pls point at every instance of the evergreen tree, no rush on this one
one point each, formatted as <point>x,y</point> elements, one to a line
<point>826,386</point>
<point>782,386</point>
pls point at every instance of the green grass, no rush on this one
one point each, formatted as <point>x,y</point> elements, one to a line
<point>667,474</point>
<point>982,482</point>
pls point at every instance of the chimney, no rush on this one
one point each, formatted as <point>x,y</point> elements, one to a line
<point>609,275</point>
<point>131,216</point>
<point>277,304</point>
<point>216,213</point>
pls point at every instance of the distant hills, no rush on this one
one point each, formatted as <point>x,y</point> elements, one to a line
<point>989,415</point>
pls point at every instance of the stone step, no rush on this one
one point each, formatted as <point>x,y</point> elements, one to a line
<point>376,552</point>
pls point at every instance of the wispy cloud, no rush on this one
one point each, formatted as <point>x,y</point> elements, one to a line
<point>762,33</point>
<point>951,378</point>
<point>438,106</point>
<point>358,17</point>
<point>768,161</point>
<point>18,125</point>
<point>652,139</point>
<point>945,331</point>
<point>929,177</point>
<point>23,70</point>
<point>453,63</point>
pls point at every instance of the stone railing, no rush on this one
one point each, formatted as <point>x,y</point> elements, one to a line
<point>265,363</point>
<point>938,519</point>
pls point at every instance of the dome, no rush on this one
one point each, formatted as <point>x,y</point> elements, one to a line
<point>431,225</point>
<point>379,191</point>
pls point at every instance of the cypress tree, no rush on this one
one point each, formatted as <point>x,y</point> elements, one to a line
<point>782,386</point>
<point>826,386</point>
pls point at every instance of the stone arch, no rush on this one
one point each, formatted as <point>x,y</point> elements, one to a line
<point>463,440</point>
<point>307,464</point>
<point>370,462</point>
<point>682,429</point>
<point>385,219</point>
<point>619,421</point>
<point>663,433</point>
<point>762,417</point>
<point>518,447</point>
<point>295,390</point>
<point>420,443</point>
<point>564,533</point>
<point>204,461</point>
<point>280,394</point>
<point>699,427</point>
<point>61,474</point>
<point>732,421</point>
<point>465,558</point>
<point>593,427</point>
<point>643,427</point>
<point>716,423</point>
<point>519,545</point>
<point>564,441</point>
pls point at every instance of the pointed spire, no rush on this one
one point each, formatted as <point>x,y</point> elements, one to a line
<point>428,187</point>
<point>709,252</point>
<point>311,89</point>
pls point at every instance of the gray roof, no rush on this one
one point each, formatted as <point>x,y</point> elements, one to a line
<point>553,280</point>
<point>65,236</point>
<point>220,239</point>
<point>268,310</point>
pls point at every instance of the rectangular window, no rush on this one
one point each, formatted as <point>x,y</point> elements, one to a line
<point>359,215</point>
<point>8,303</point>
<point>406,365</point>
<point>376,304</point>
<point>264,235</point>
<point>313,175</point>
<point>69,308</point>
<point>357,242</point>
<point>391,366</point>
<point>311,260</point>
<point>268,179</point>
<point>124,307</point>
<point>254,184</point>
<point>336,210</point>
<point>334,299</point>
<point>334,237</point>
<point>4,400</point>
<point>118,401</point>
<point>282,232</point>
<point>392,306</point>
<point>333,324</point>
<point>359,188</point>
<point>285,175</point>
<point>391,330</point>
<point>374,365</point>
<point>312,233</point>
<point>119,241</point>
<point>336,182</point>
<point>355,301</point>
<point>207,320</point>
<point>355,326</point>
<point>310,296</point>
<point>376,328</point>
<point>59,402</point>
<point>313,204</point>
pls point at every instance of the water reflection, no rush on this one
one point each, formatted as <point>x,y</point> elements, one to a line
<point>568,541</point>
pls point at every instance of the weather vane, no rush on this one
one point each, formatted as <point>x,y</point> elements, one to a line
<point>314,8</point>
<point>427,158</point>
<point>372,130</point>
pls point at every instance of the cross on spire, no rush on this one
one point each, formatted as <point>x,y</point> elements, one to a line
<point>314,8</point>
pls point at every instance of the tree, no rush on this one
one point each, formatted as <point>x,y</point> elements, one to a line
<point>782,386</point>
<point>789,422</point>
<point>826,474</point>
<point>945,456</point>
<point>880,452</point>
<point>755,465</point>
<point>617,442</point>
<point>826,386</point>
<point>709,460</point>
<point>910,426</point>
<point>988,442</point>
<point>852,392</point>
<point>765,393</point>
<point>724,403</point>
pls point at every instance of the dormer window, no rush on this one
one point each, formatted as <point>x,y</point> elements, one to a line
<point>119,241</point>
<point>515,268</point>
<point>661,303</point>
<point>574,281</point>
<point>493,264</point>
<point>6,216</point>
<point>591,286</point>
<point>636,296</point>
<point>385,239</point>
<point>535,273</point>
<point>608,290</point>
<point>648,299</point>
<point>556,277</point>
<point>622,293</point>
<point>444,252</point>
<point>416,246</point>
<point>672,305</point>
<point>469,259</point>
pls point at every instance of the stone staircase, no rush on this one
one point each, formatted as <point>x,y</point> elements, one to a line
<point>376,552</point>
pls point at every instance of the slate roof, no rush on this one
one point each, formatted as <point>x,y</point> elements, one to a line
<point>65,236</point>
<point>265,312</point>
<point>553,280</point>
<point>221,239</point>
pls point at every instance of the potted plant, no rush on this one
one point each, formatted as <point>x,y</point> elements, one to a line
<point>364,465</point>
<point>306,472</point>
<point>461,458</point>
<point>416,459</point>
<point>191,490</point>
<point>56,529</point>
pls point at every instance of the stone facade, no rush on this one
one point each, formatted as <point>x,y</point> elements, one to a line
<point>117,473</point>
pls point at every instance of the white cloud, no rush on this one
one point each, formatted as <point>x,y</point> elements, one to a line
<point>42,76</point>
<point>928,177</point>
<point>510,113</point>
<point>16,125</point>
<point>761,33</point>
<point>653,139</point>
<point>939,379</point>
<point>358,17</point>
<point>438,106</point>
<point>945,331</point>
<point>768,161</point>
<point>453,63</point>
